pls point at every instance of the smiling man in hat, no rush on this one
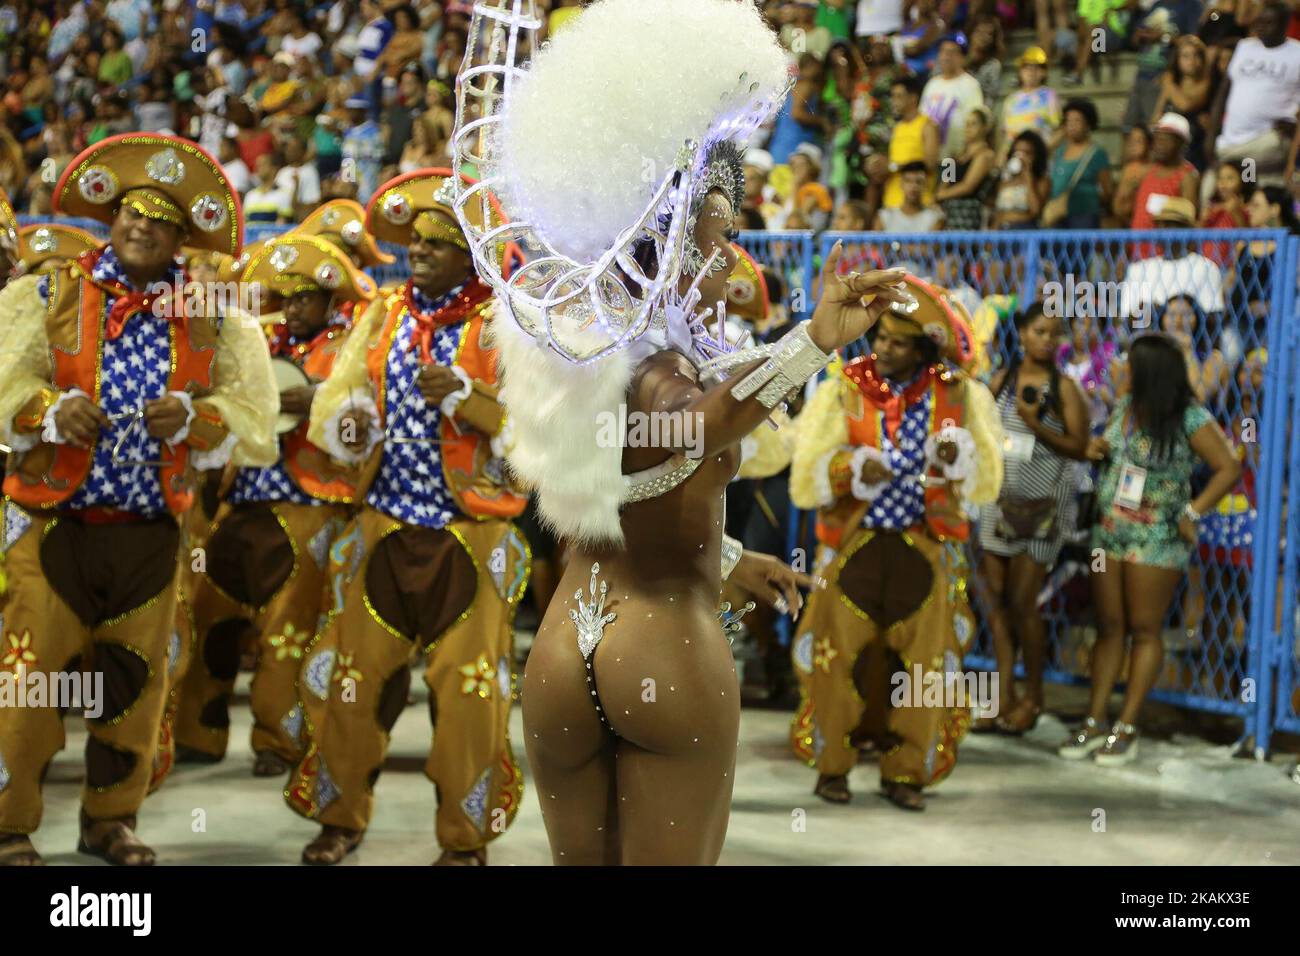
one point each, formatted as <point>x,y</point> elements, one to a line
<point>112,395</point>
<point>890,452</point>
<point>268,548</point>
<point>432,564</point>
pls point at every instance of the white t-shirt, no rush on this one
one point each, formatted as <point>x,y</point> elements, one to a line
<point>879,16</point>
<point>238,175</point>
<point>301,46</point>
<point>1265,88</point>
<point>1153,282</point>
<point>948,103</point>
<point>306,179</point>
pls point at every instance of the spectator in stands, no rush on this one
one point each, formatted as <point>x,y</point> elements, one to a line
<point>421,151</point>
<point>1080,169</point>
<point>301,41</point>
<point>1033,105</point>
<point>916,212</point>
<point>237,171</point>
<point>852,216</point>
<point>1025,185</point>
<point>949,97</point>
<point>281,92</point>
<point>1257,104</point>
<point>966,185</point>
<point>1134,163</point>
<point>1169,174</point>
<point>919,39</point>
<point>1185,89</point>
<point>404,105</point>
<point>1109,16</point>
<point>269,200</point>
<point>254,140</point>
<point>758,166</point>
<point>371,40</point>
<point>279,24</point>
<point>363,149</point>
<point>115,66</point>
<point>1220,21</point>
<point>846,68</point>
<point>1147,530</point>
<point>1226,209</point>
<point>156,110</point>
<point>1170,268</point>
<point>801,120</point>
<point>984,58</point>
<point>1153,37</point>
<point>1207,370</point>
<point>809,201</point>
<point>406,43</point>
<point>915,139</point>
<point>833,15</point>
<point>1052,23</point>
<point>1250,278</point>
<point>451,51</point>
<point>298,176</point>
<point>799,30</point>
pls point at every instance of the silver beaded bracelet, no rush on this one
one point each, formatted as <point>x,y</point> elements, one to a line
<point>731,552</point>
<point>796,359</point>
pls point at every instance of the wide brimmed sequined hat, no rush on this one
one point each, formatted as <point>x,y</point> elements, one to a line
<point>343,222</point>
<point>934,318</point>
<point>747,289</point>
<point>419,203</point>
<point>42,247</point>
<point>163,177</point>
<point>294,263</point>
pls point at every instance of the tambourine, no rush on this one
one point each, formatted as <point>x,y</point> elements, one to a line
<point>287,376</point>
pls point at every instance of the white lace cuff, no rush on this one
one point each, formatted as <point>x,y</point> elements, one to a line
<point>214,458</point>
<point>503,441</point>
<point>452,401</point>
<point>861,490</point>
<point>967,460</point>
<point>49,429</point>
<point>359,404</point>
<point>184,431</point>
<point>821,479</point>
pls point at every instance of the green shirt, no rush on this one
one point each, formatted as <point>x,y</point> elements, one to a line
<point>1086,197</point>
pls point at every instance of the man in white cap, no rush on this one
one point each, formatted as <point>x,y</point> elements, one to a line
<point>1170,174</point>
<point>758,166</point>
<point>363,149</point>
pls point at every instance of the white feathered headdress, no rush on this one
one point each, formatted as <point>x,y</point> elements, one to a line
<point>609,141</point>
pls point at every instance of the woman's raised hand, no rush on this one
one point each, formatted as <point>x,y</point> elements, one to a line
<point>851,304</point>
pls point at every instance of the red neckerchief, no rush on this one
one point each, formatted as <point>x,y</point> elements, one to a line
<point>281,346</point>
<point>474,294</point>
<point>878,393</point>
<point>128,303</point>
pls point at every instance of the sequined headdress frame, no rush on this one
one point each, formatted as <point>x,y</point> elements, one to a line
<point>588,307</point>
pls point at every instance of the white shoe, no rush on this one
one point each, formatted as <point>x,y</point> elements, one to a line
<point>1088,738</point>
<point>1121,746</point>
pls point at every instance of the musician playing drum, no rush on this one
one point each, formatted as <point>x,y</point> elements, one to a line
<point>267,554</point>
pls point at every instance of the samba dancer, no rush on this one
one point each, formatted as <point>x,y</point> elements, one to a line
<point>631,718</point>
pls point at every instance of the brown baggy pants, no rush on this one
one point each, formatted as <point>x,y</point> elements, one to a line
<point>264,583</point>
<point>397,590</point>
<point>97,598</point>
<point>894,601</point>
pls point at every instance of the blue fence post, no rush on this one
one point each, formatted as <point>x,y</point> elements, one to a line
<point>1271,651</point>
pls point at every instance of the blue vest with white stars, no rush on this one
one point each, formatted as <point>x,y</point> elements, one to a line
<point>134,369</point>
<point>902,504</point>
<point>409,485</point>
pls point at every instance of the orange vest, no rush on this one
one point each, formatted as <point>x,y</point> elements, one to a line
<point>50,474</point>
<point>312,469</point>
<point>464,455</point>
<point>943,511</point>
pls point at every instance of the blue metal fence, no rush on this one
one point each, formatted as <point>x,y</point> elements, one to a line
<point>1230,295</point>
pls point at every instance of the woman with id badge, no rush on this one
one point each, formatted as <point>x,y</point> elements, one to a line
<point>1045,427</point>
<point>1147,528</point>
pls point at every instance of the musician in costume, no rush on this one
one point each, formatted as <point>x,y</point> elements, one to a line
<point>112,394</point>
<point>343,222</point>
<point>432,564</point>
<point>268,548</point>
<point>894,450</point>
